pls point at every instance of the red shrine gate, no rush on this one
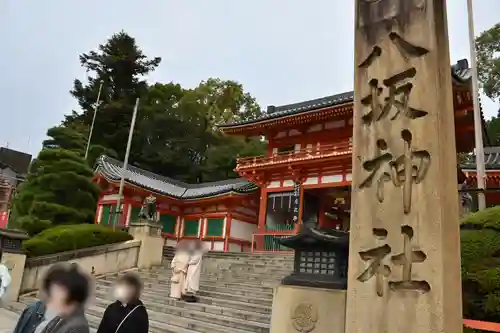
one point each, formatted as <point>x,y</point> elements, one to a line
<point>305,176</point>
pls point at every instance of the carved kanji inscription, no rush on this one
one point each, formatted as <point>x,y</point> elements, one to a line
<point>398,98</point>
<point>403,171</point>
<point>376,268</point>
<point>406,260</point>
<point>380,271</point>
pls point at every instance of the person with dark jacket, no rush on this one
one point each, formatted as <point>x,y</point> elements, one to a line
<point>67,294</point>
<point>34,313</point>
<point>127,314</point>
<point>31,317</point>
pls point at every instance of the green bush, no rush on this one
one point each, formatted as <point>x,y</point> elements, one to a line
<point>72,237</point>
<point>480,246</point>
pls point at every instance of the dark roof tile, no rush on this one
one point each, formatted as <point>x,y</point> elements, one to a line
<point>111,169</point>
<point>460,74</point>
<point>491,159</point>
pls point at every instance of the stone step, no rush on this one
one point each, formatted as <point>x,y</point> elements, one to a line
<point>155,296</point>
<point>244,261</point>
<point>215,294</point>
<point>161,322</point>
<point>165,285</point>
<point>165,279</point>
<point>241,255</point>
<point>168,305</point>
<point>231,273</point>
<point>210,279</point>
<point>249,322</point>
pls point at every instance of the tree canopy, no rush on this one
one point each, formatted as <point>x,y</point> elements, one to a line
<point>176,132</point>
<point>58,188</point>
<point>488,64</point>
<point>488,67</point>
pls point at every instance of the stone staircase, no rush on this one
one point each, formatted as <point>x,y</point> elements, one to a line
<point>236,291</point>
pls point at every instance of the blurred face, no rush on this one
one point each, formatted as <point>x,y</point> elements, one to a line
<point>124,292</point>
<point>57,300</point>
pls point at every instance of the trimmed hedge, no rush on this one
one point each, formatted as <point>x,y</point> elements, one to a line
<point>480,246</point>
<point>72,237</point>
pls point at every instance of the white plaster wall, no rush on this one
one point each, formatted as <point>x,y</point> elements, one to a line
<point>171,242</point>
<point>274,184</point>
<point>242,230</point>
<point>110,197</point>
<point>331,179</point>
<point>234,247</point>
<point>311,180</point>
<point>218,246</point>
<point>247,211</point>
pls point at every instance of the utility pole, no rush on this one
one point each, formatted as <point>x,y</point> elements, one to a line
<point>96,105</point>
<point>478,124</point>
<point>125,164</point>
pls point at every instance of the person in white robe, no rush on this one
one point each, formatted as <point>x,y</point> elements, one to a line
<point>5,280</point>
<point>194,271</point>
<point>179,267</point>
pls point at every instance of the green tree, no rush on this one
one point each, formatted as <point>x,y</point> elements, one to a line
<point>488,65</point>
<point>58,189</point>
<point>480,240</point>
<point>121,66</point>
<point>493,130</point>
<point>177,134</point>
<point>212,156</point>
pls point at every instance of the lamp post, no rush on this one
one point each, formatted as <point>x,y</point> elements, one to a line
<point>96,105</point>
<point>478,128</point>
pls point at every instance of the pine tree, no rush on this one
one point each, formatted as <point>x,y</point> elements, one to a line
<point>58,189</point>
<point>121,66</point>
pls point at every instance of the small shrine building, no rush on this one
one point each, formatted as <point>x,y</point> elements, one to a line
<point>305,177</point>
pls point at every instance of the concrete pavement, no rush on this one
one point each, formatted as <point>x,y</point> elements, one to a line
<point>8,321</point>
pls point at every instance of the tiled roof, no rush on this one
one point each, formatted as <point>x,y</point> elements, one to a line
<point>460,73</point>
<point>16,160</point>
<point>111,169</point>
<point>491,159</point>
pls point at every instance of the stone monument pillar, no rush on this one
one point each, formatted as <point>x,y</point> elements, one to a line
<point>152,242</point>
<point>14,259</point>
<point>404,256</point>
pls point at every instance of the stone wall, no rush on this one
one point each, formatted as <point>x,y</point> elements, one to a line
<point>97,260</point>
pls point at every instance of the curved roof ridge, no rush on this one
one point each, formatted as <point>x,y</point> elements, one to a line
<point>112,168</point>
<point>460,74</point>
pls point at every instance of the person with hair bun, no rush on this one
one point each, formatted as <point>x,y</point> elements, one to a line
<point>127,314</point>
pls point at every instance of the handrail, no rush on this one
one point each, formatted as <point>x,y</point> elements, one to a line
<point>306,153</point>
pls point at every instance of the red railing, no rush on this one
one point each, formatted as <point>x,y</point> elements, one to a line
<point>303,154</point>
<point>268,242</point>
<point>482,325</point>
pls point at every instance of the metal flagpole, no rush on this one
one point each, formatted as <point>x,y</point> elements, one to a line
<point>478,128</point>
<point>125,163</point>
<point>96,105</point>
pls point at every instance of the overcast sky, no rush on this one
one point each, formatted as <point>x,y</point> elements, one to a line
<point>282,51</point>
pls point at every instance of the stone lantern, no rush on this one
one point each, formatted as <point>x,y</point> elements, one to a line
<point>320,260</point>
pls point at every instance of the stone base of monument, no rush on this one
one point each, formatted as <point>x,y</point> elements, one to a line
<point>306,309</point>
<point>151,250</point>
